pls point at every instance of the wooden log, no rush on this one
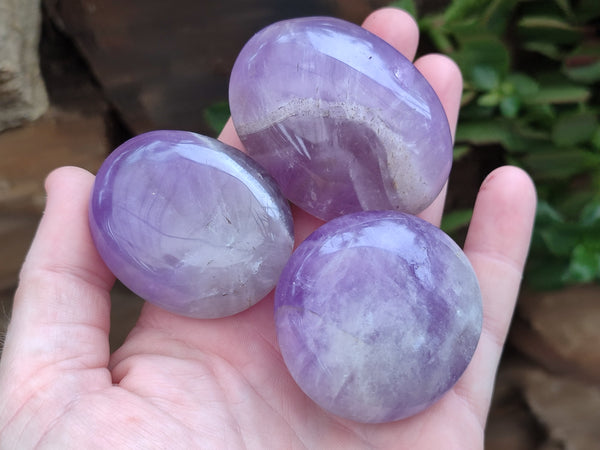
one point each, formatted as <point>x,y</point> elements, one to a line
<point>162,63</point>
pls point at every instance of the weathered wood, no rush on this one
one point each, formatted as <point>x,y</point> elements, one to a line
<point>162,63</point>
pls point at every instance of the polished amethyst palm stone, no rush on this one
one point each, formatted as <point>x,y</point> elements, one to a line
<point>340,118</point>
<point>190,224</point>
<point>378,314</point>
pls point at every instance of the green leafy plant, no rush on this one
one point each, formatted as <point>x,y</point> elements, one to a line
<point>531,71</point>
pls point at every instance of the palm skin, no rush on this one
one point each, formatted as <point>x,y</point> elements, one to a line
<point>186,383</point>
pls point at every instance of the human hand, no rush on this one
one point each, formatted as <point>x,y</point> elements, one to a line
<point>178,382</point>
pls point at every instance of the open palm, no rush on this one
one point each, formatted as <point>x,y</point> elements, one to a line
<point>187,383</point>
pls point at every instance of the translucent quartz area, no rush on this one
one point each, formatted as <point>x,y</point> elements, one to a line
<point>339,118</point>
<point>378,314</point>
<point>190,224</point>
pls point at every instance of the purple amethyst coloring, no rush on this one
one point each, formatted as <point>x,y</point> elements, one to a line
<point>339,118</point>
<point>378,314</point>
<point>190,224</point>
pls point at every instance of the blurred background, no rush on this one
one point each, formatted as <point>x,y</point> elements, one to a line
<point>78,77</point>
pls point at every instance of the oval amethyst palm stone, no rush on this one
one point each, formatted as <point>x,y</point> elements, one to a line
<point>340,118</point>
<point>378,314</point>
<point>190,224</point>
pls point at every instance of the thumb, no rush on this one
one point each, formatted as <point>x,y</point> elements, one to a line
<point>61,311</point>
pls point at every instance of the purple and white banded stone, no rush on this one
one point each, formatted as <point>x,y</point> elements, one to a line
<point>339,118</point>
<point>378,314</point>
<point>190,224</point>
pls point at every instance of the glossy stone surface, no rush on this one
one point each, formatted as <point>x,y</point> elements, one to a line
<point>378,314</point>
<point>340,118</point>
<point>190,224</point>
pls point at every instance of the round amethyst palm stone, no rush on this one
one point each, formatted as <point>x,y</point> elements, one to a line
<point>190,224</point>
<point>340,118</point>
<point>378,314</point>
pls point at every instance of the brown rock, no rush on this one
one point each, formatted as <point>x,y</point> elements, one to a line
<point>27,155</point>
<point>561,330</point>
<point>570,409</point>
<point>22,93</point>
<point>511,424</point>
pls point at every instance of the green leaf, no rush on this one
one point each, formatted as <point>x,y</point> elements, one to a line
<point>500,131</point>
<point>489,99</point>
<point>461,9</point>
<point>571,202</point>
<point>407,5</point>
<point>473,112</point>
<point>216,115</point>
<point>509,106</point>
<point>572,129</point>
<point>485,78</point>
<point>565,6</point>
<point>497,15</point>
<point>523,84</point>
<point>491,15</point>
<point>547,49</point>
<point>435,28</point>
<point>543,115</point>
<point>560,164</point>
<point>467,29</point>
<point>441,41</point>
<point>548,29</point>
<point>559,93</point>
<point>507,88</point>
<point>590,215</point>
<point>455,220</point>
<point>546,22</point>
<point>484,132</point>
<point>560,239</point>
<point>583,63</point>
<point>480,51</point>
<point>588,74</point>
<point>585,264</point>
<point>459,151</point>
<point>546,214</point>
